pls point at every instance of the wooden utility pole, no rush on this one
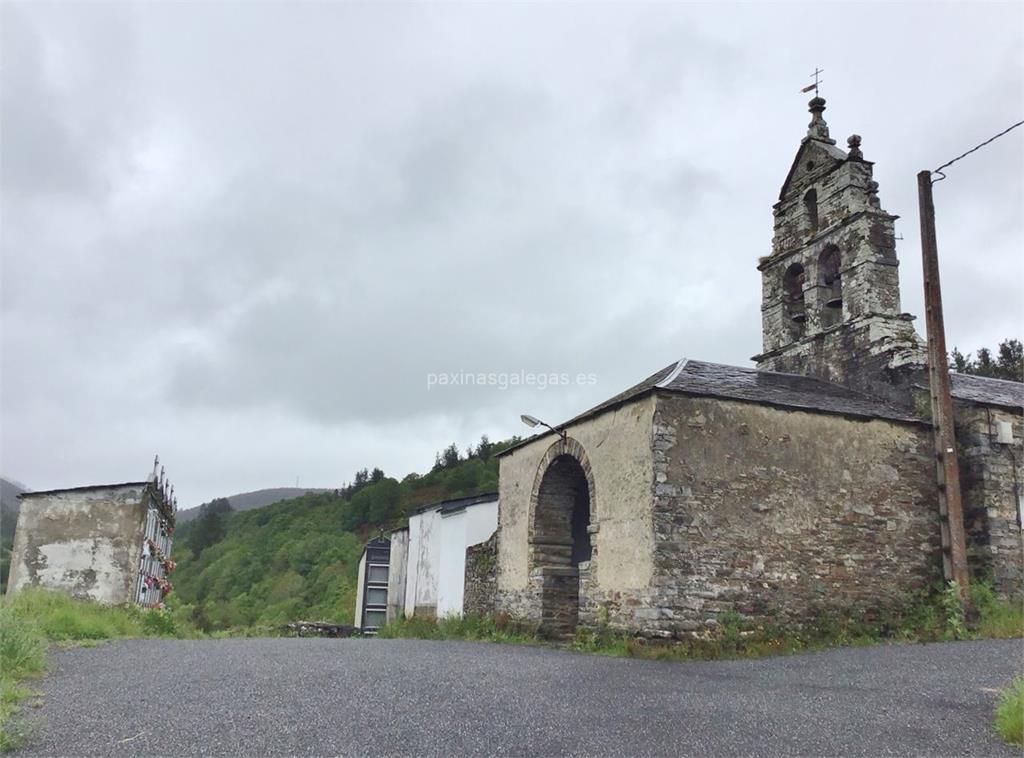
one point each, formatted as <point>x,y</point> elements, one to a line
<point>951,512</point>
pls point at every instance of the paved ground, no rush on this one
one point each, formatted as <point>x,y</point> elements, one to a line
<point>385,697</point>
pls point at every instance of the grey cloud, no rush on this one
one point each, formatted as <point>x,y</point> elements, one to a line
<point>244,236</point>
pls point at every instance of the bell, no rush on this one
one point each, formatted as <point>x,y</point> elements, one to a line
<point>835,298</point>
<point>799,317</point>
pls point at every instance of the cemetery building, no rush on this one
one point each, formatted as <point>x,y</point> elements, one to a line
<point>802,487</point>
<point>110,543</point>
<point>372,585</point>
<point>421,569</point>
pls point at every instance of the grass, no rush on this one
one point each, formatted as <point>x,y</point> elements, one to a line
<point>34,619</point>
<point>1010,713</point>
<point>997,618</point>
<point>497,628</point>
<point>22,655</point>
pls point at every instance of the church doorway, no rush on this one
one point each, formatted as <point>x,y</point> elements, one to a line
<point>561,547</point>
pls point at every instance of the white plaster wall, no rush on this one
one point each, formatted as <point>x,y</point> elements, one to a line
<point>424,561</point>
<point>360,591</point>
<point>63,562</point>
<point>470,526</point>
<point>481,521</point>
<point>452,563</point>
<point>399,566</point>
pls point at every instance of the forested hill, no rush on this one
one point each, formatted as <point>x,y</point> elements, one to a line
<point>247,501</point>
<point>297,559</point>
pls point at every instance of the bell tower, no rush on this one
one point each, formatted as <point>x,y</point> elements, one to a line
<point>830,287</point>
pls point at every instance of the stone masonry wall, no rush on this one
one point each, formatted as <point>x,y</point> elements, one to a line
<point>878,355</point>
<point>782,516</point>
<point>990,479</point>
<point>481,583</point>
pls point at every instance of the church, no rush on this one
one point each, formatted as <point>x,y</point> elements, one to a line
<point>801,488</point>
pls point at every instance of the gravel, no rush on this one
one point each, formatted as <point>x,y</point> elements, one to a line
<point>415,697</point>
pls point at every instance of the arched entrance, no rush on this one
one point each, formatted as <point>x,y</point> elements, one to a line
<point>560,537</point>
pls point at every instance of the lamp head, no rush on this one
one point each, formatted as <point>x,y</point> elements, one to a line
<point>530,421</point>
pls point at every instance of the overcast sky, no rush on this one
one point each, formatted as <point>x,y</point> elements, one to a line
<point>244,235</point>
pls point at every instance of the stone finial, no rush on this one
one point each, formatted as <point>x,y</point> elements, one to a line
<point>853,142</point>
<point>817,129</point>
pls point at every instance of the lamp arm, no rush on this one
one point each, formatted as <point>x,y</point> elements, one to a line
<point>560,432</point>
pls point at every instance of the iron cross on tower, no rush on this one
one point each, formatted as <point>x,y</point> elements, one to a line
<point>817,72</point>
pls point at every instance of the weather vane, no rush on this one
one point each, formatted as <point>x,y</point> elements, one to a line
<point>817,81</point>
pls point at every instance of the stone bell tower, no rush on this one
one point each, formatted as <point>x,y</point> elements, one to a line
<point>830,287</point>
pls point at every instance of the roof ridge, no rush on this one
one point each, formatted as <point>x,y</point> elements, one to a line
<point>986,378</point>
<point>680,365</point>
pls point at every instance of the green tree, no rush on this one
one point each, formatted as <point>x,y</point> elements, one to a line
<point>1008,362</point>
<point>210,525</point>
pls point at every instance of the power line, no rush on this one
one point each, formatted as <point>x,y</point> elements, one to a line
<point>976,147</point>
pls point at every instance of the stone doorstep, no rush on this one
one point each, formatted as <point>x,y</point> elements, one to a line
<point>555,571</point>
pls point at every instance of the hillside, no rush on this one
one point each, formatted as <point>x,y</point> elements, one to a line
<point>297,558</point>
<point>247,501</point>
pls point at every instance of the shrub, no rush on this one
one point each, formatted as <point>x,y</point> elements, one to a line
<point>159,623</point>
<point>1010,713</point>
<point>997,618</point>
<point>953,609</point>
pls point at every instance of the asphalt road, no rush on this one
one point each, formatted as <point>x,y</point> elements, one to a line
<point>387,697</point>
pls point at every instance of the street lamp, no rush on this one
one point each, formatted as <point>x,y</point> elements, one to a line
<point>532,422</point>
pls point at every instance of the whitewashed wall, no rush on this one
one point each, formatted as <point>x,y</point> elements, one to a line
<point>459,530</point>
<point>451,569</point>
<point>397,573</point>
<point>424,562</point>
<point>435,578</point>
<point>360,592</point>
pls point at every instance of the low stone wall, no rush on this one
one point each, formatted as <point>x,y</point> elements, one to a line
<point>481,581</point>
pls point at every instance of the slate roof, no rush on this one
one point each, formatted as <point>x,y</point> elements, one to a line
<point>771,388</point>
<point>457,504</point>
<point>702,379</point>
<point>86,488</point>
<point>986,391</point>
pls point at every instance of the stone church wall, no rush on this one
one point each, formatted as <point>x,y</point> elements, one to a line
<point>782,515</point>
<point>617,444</point>
<point>990,478</point>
